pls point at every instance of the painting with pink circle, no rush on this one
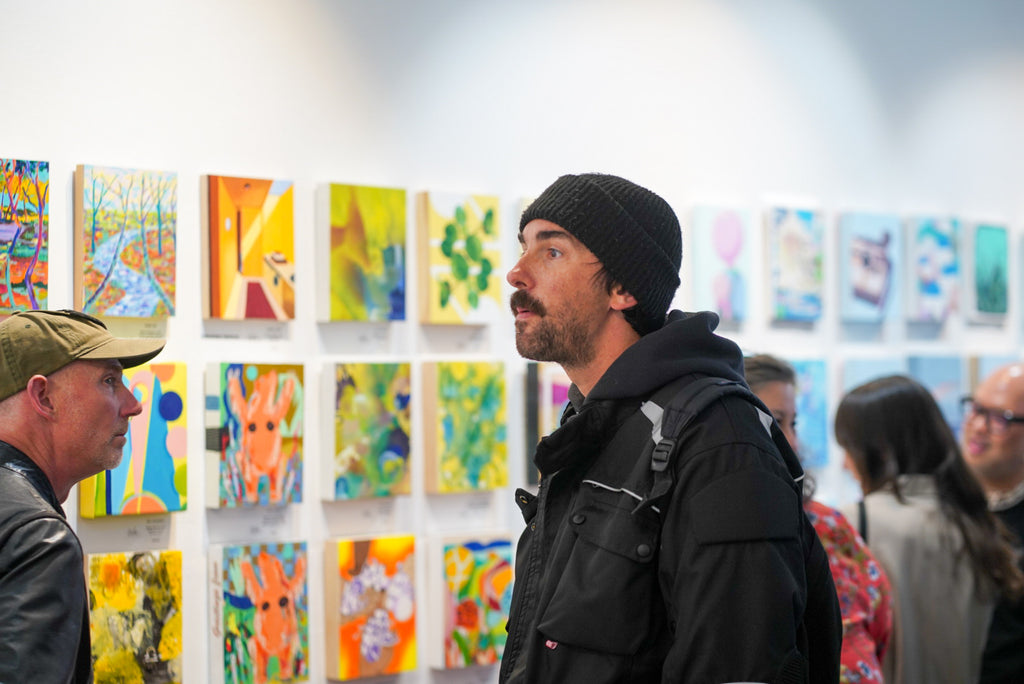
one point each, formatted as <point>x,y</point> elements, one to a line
<point>721,239</point>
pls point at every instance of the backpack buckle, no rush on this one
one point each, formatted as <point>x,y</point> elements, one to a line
<point>661,455</point>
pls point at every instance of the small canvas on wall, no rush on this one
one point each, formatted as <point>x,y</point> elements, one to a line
<point>249,254</point>
<point>24,234</point>
<point>125,241</point>
<point>152,475</point>
<point>471,595</point>
<point>363,252</point>
<point>721,261</point>
<point>870,254</point>
<point>135,616</point>
<point>944,378</point>
<point>254,434</point>
<point>465,439</point>
<point>259,622</point>
<point>859,371</point>
<point>372,428</point>
<point>370,605</point>
<point>794,251</point>
<point>812,411</point>
<point>933,268</point>
<point>986,272</point>
<point>460,259</point>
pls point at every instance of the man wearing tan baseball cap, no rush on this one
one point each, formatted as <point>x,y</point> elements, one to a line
<point>64,412</point>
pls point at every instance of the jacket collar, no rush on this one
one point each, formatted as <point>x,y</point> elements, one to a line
<point>13,459</point>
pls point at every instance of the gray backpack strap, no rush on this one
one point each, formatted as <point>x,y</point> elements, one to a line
<point>674,407</point>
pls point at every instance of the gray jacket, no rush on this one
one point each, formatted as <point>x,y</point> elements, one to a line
<point>44,610</point>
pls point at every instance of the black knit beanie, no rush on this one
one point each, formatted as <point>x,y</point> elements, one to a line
<point>632,231</point>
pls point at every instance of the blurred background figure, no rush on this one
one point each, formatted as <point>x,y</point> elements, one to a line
<point>993,441</point>
<point>861,584</point>
<point>927,521</point>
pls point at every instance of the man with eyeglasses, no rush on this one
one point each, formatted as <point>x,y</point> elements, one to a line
<point>993,441</point>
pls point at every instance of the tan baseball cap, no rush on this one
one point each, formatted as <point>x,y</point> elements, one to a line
<point>41,342</point>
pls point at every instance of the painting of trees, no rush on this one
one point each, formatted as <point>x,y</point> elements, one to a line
<point>24,234</point>
<point>125,241</point>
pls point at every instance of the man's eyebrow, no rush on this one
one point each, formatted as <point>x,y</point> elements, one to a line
<point>547,235</point>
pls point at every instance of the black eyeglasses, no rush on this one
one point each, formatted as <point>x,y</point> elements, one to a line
<point>996,420</point>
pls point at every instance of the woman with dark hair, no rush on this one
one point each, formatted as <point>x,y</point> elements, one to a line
<point>861,585</point>
<point>928,523</point>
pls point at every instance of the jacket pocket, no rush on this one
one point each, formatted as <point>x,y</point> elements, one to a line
<point>604,598</point>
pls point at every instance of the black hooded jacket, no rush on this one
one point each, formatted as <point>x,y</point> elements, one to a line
<point>708,586</point>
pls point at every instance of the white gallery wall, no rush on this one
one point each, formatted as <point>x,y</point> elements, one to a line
<point>839,106</point>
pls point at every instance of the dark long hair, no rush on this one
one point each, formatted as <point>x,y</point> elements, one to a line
<point>891,427</point>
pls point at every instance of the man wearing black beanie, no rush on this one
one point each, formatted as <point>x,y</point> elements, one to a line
<point>632,569</point>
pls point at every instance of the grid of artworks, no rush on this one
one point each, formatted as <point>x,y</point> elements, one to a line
<point>372,430</point>
<point>465,441</point>
<point>369,588</point>
<point>363,253</point>
<point>125,241</point>
<point>249,259</point>
<point>152,475</point>
<point>460,263</point>
<point>260,613</point>
<point>721,261</point>
<point>24,234</point>
<point>471,595</point>
<point>795,254</point>
<point>254,430</point>
<point>135,616</point>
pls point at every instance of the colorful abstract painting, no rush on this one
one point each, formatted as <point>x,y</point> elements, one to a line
<point>794,250</point>
<point>722,247</point>
<point>369,587</point>
<point>152,475</point>
<point>372,427</point>
<point>870,257</point>
<point>944,378</point>
<point>460,265</point>
<point>254,434</point>
<point>366,254</point>
<point>135,617</point>
<point>812,412</point>
<point>125,241</point>
<point>986,272</point>
<point>24,234</point>
<point>250,249</point>
<point>471,592</point>
<point>260,613</point>
<point>933,268</point>
<point>464,419</point>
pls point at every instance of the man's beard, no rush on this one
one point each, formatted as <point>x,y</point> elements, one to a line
<point>567,343</point>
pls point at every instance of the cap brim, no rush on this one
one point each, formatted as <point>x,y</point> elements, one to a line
<point>130,351</point>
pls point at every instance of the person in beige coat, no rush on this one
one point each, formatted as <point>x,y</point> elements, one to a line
<point>926,519</point>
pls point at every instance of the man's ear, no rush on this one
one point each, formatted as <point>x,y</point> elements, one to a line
<point>38,392</point>
<point>622,300</point>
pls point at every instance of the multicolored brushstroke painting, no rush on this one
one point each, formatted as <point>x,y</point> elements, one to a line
<point>24,234</point>
<point>476,586</point>
<point>372,426</point>
<point>135,617</point>
<point>464,417</point>
<point>152,475</point>
<point>367,253</point>
<point>460,266</point>
<point>125,241</point>
<point>260,621</point>
<point>251,243</point>
<point>254,434</point>
<point>371,606</point>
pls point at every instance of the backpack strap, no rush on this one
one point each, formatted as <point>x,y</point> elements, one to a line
<point>676,405</point>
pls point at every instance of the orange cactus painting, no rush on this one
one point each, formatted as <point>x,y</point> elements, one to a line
<point>249,256</point>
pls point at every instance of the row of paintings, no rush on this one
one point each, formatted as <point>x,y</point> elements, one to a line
<point>254,423</point>
<point>259,609</point>
<point>920,268</point>
<point>948,378</point>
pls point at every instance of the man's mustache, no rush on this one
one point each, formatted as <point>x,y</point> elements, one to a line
<point>520,299</point>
